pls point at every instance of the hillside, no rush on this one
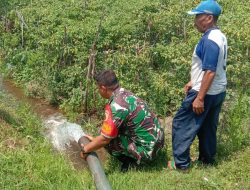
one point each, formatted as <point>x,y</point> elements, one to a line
<point>51,49</point>
<point>48,46</point>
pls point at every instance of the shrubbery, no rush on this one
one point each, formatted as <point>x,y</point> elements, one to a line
<point>148,43</point>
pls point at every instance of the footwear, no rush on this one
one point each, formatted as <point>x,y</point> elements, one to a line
<point>171,165</point>
<point>206,161</point>
<point>124,167</point>
<point>195,161</point>
<point>128,165</point>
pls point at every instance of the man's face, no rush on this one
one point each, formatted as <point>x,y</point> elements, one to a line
<point>202,22</point>
<point>103,91</point>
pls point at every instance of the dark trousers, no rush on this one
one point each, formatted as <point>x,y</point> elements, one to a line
<point>187,124</point>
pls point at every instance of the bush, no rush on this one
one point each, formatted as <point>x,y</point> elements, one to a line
<point>149,44</point>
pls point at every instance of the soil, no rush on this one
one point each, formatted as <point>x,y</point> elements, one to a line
<point>79,164</point>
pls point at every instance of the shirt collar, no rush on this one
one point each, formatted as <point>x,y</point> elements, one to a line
<point>114,93</point>
<point>213,28</point>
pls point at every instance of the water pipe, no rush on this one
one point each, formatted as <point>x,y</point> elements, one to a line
<point>101,181</point>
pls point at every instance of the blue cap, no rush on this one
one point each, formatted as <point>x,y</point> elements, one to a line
<point>207,7</point>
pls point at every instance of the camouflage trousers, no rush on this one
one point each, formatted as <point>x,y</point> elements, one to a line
<point>123,145</point>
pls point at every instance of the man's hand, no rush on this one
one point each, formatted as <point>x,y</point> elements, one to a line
<point>198,106</point>
<point>95,143</point>
<point>83,155</point>
<point>187,87</point>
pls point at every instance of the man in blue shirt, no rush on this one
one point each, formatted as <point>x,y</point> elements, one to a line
<point>206,90</point>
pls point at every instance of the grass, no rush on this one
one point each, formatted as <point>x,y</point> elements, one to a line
<point>27,160</point>
<point>230,174</point>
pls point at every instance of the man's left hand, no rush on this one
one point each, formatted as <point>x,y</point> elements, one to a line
<point>89,137</point>
<point>198,106</point>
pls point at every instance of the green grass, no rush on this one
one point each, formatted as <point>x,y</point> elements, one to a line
<point>229,174</point>
<point>27,161</point>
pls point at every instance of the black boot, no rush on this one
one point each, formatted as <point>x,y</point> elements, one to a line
<point>127,162</point>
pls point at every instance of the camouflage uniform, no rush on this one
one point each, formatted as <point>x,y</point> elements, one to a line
<point>134,129</point>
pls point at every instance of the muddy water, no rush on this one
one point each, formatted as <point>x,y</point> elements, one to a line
<point>62,134</point>
<point>39,106</point>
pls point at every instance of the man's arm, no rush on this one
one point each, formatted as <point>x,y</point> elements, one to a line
<point>198,104</point>
<point>96,143</point>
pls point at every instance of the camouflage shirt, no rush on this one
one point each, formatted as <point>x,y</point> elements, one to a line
<point>129,119</point>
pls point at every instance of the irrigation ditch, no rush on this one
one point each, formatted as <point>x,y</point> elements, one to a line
<point>63,135</point>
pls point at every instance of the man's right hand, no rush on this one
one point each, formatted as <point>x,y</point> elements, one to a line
<point>187,87</point>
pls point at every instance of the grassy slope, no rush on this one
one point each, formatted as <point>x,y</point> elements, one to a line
<point>27,162</point>
<point>26,159</point>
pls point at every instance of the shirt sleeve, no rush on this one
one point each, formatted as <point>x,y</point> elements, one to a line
<point>114,118</point>
<point>211,55</point>
<point>109,128</point>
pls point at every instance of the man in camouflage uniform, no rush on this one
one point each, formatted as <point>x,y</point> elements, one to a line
<point>130,131</point>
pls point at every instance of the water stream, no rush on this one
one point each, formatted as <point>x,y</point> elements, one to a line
<point>56,127</point>
<point>62,134</point>
<point>39,106</point>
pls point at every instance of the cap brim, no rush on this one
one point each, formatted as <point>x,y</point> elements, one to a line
<point>194,12</point>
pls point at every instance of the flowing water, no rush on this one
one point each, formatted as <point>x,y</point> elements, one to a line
<point>62,134</point>
<point>39,106</point>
